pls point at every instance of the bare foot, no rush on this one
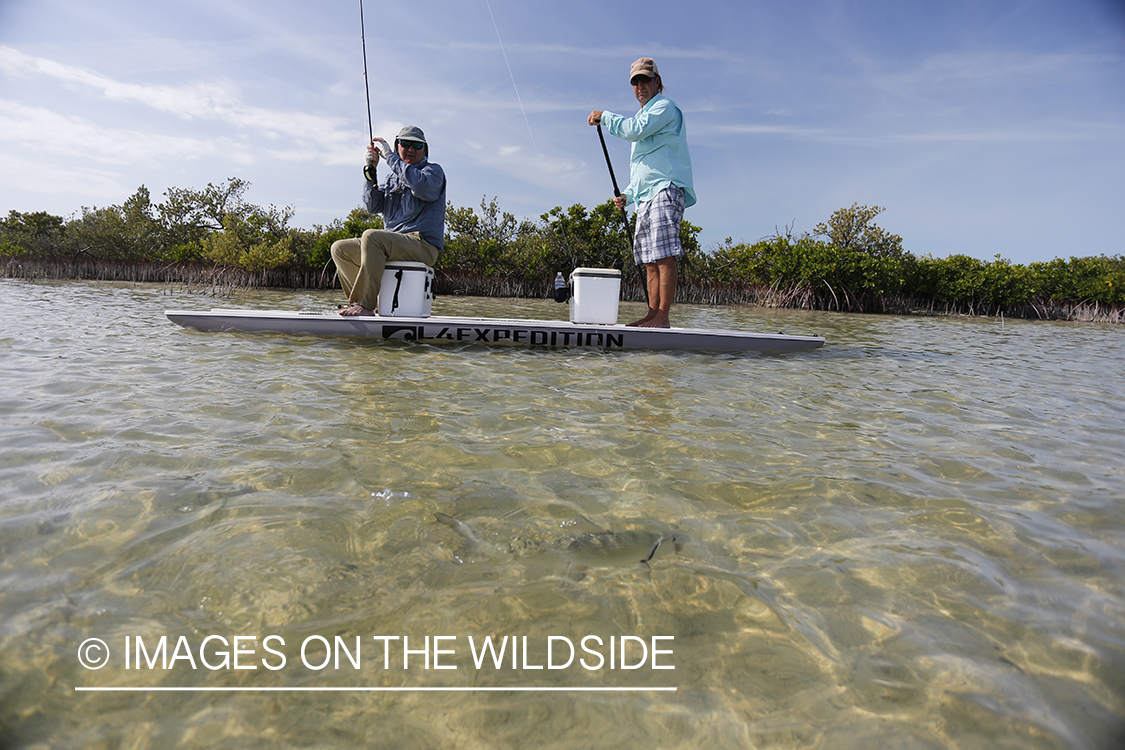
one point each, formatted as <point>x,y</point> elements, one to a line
<point>659,321</point>
<point>644,321</point>
<point>352,310</point>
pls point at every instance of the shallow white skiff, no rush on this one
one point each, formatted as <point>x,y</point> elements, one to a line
<point>493,331</point>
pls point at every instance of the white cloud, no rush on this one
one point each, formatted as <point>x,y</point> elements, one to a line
<point>46,177</point>
<point>215,102</point>
<point>42,130</point>
<point>1002,69</point>
<point>783,130</point>
<point>792,111</point>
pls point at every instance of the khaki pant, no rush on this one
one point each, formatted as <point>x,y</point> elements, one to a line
<point>360,261</point>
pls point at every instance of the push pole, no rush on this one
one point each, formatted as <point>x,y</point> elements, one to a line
<point>624,216</point>
<point>616,192</point>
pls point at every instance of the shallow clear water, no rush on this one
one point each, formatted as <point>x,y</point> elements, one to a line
<point>912,537</point>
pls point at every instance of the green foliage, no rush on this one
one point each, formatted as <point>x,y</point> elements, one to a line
<point>492,243</point>
<point>302,242</point>
<point>188,216</point>
<point>319,242</point>
<point>226,228</point>
<point>693,266</point>
<point>856,266</point>
<point>850,278</point>
<point>852,229</point>
<point>215,223</point>
<point>1003,284</point>
<point>576,238</point>
<point>125,232</point>
<point>1099,279</point>
<point>738,264</point>
<point>954,279</point>
<point>254,240</point>
<point>36,234</point>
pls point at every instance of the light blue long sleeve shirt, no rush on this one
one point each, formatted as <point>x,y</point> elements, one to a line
<point>659,156</point>
<point>411,200</point>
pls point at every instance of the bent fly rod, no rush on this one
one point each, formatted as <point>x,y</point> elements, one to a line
<point>366,86</point>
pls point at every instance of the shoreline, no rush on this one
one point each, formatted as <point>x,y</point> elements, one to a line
<point>223,281</point>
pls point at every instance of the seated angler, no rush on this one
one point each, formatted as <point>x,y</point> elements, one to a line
<point>412,202</point>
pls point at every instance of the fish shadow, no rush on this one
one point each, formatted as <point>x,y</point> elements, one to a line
<point>587,546</point>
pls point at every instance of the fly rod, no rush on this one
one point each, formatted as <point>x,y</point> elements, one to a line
<point>366,86</point>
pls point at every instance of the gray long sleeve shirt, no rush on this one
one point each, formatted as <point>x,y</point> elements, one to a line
<point>411,200</point>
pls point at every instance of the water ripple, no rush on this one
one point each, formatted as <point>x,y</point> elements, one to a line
<point>912,537</point>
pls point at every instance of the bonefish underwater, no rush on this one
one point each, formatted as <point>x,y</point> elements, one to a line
<point>594,547</point>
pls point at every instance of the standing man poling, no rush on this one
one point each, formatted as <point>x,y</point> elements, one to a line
<point>659,183</point>
<point>412,202</point>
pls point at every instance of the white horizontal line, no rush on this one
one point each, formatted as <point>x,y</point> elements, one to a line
<point>371,689</point>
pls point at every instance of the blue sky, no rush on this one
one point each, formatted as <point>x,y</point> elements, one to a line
<point>984,128</point>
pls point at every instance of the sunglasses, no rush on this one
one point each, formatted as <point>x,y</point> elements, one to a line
<point>416,145</point>
<point>637,80</point>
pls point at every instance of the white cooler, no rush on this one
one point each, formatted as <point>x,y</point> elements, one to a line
<point>595,294</point>
<point>407,290</point>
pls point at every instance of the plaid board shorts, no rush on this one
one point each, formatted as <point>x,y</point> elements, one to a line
<point>658,227</point>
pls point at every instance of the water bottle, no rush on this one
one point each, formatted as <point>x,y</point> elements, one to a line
<point>561,294</point>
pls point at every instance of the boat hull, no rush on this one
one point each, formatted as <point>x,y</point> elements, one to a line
<point>491,331</point>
